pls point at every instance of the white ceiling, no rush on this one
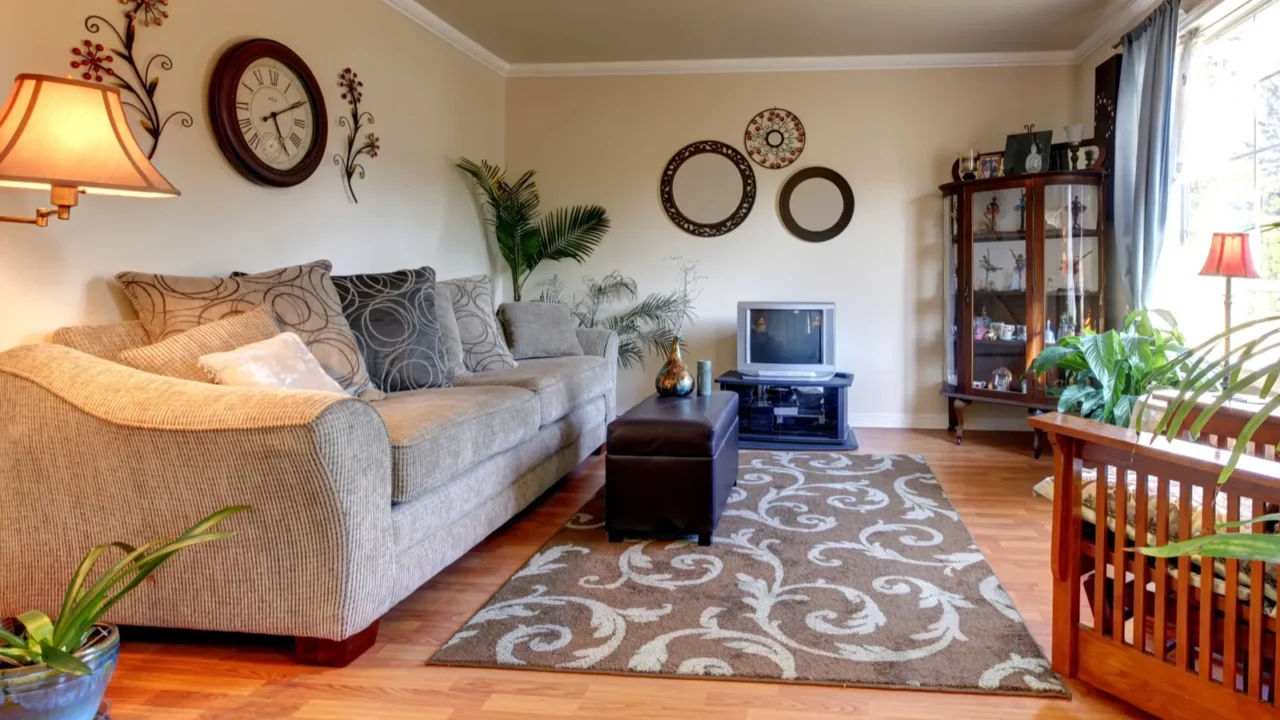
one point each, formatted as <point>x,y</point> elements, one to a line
<point>538,32</point>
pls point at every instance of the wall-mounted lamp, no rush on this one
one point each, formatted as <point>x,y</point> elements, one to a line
<point>71,137</point>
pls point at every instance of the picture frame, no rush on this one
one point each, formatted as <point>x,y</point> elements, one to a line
<point>1018,147</point>
<point>990,165</point>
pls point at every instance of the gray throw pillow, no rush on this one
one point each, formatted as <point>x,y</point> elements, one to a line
<point>393,316</point>
<point>302,297</point>
<point>483,346</point>
<point>539,330</point>
<point>179,356</point>
<point>449,333</point>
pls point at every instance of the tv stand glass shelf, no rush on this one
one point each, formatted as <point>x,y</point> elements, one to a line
<point>777,413</point>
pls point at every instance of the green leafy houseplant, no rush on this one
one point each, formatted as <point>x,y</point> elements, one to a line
<point>1107,375</point>
<point>525,238</point>
<point>55,642</point>
<point>1251,370</point>
<point>650,324</point>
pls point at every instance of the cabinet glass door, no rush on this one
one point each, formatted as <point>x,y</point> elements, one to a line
<point>1072,261</point>
<point>952,298</point>
<point>999,282</point>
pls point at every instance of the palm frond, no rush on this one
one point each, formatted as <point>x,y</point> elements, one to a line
<point>573,233</point>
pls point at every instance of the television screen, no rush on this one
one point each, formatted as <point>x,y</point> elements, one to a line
<point>786,337</point>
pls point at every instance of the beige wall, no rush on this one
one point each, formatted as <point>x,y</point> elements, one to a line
<point>432,104</point>
<point>893,134</point>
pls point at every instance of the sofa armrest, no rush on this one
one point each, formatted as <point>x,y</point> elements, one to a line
<point>92,451</point>
<point>604,343</point>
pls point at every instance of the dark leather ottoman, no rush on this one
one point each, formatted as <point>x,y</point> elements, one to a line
<point>670,465</point>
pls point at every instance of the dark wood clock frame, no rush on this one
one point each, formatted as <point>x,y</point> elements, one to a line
<point>222,113</point>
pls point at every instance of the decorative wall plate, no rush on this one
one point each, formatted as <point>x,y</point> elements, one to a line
<point>775,138</point>
<point>718,192</point>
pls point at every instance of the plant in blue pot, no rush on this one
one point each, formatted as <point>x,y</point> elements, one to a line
<point>60,668</point>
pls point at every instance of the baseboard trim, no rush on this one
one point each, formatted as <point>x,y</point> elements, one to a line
<point>934,422</point>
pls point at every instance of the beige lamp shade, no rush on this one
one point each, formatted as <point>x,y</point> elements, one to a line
<point>56,132</point>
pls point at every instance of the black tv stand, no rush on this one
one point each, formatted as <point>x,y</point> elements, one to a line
<point>792,413</point>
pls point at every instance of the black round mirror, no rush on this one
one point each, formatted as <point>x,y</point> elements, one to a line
<point>816,204</point>
<point>708,188</point>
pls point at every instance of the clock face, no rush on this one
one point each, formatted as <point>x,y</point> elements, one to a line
<point>274,114</point>
<point>268,113</point>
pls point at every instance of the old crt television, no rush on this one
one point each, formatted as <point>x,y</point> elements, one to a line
<point>787,340</point>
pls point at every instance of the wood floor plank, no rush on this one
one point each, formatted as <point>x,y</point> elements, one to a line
<point>206,676</point>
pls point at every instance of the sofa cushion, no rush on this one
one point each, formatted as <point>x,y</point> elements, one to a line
<point>103,341</point>
<point>440,432</point>
<point>560,384</point>
<point>483,345</point>
<point>539,330</point>
<point>303,298</point>
<point>393,316</point>
<point>179,356</point>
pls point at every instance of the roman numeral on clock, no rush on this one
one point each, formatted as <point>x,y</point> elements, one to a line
<point>255,141</point>
<point>300,122</point>
<point>246,125</point>
<point>258,74</point>
<point>297,140</point>
<point>274,77</point>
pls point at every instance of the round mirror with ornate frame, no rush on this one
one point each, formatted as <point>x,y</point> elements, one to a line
<point>816,204</point>
<point>708,188</point>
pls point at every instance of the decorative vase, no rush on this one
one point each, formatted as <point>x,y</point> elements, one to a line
<point>674,379</point>
<point>40,692</point>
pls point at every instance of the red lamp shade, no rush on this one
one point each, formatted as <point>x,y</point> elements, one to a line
<point>1229,256</point>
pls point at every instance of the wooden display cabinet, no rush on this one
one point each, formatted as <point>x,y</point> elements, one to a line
<point>997,319</point>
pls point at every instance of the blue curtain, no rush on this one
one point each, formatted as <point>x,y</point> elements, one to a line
<point>1144,132</point>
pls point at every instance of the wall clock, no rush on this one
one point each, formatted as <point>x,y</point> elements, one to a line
<point>268,113</point>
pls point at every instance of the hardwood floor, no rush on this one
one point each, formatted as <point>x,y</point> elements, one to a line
<point>205,675</point>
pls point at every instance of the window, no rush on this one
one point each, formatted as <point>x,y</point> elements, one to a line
<point>1229,153</point>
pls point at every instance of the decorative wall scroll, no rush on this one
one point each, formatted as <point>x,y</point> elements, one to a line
<point>717,188</point>
<point>96,63</point>
<point>353,93</point>
<point>775,138</point>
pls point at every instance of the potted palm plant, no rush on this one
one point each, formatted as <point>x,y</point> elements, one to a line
<point>525,238</point>
<point>60,668</point>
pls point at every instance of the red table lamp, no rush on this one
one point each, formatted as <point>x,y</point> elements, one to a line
<point>1229,257</point>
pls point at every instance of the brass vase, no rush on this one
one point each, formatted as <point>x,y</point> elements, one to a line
<point>674,379</point>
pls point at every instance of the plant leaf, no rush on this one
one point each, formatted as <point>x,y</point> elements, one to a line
<point>1240,546</point>
<point>59,659</point>
<point>1273,517</point>
<point>39,626</point>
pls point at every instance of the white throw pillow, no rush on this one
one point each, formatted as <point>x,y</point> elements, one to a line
<point>281,362</point>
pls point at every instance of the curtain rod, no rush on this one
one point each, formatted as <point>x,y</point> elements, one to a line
<point>1201,11</point>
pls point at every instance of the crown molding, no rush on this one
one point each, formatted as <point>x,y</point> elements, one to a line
<point>1117,23</point>
<point>450,34</point>
<point>794,64</point>
<point>1120,21</point>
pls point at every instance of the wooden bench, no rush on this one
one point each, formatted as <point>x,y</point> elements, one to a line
<point>1156,639</point>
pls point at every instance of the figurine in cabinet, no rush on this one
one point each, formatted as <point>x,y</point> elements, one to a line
<point>992,214</point>
<point>1016,280</point>
<point>988,267</point>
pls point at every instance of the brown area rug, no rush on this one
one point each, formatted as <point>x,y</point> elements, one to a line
<point>829,568</point>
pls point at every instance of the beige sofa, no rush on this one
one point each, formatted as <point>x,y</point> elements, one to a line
<point>354,505</point>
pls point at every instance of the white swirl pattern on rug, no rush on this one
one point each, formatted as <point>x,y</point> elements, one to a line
<point>826,568</point>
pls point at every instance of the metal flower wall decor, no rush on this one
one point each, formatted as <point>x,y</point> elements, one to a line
<point>97,63</point>
<point>775,138</point>
<point>349,162</point>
